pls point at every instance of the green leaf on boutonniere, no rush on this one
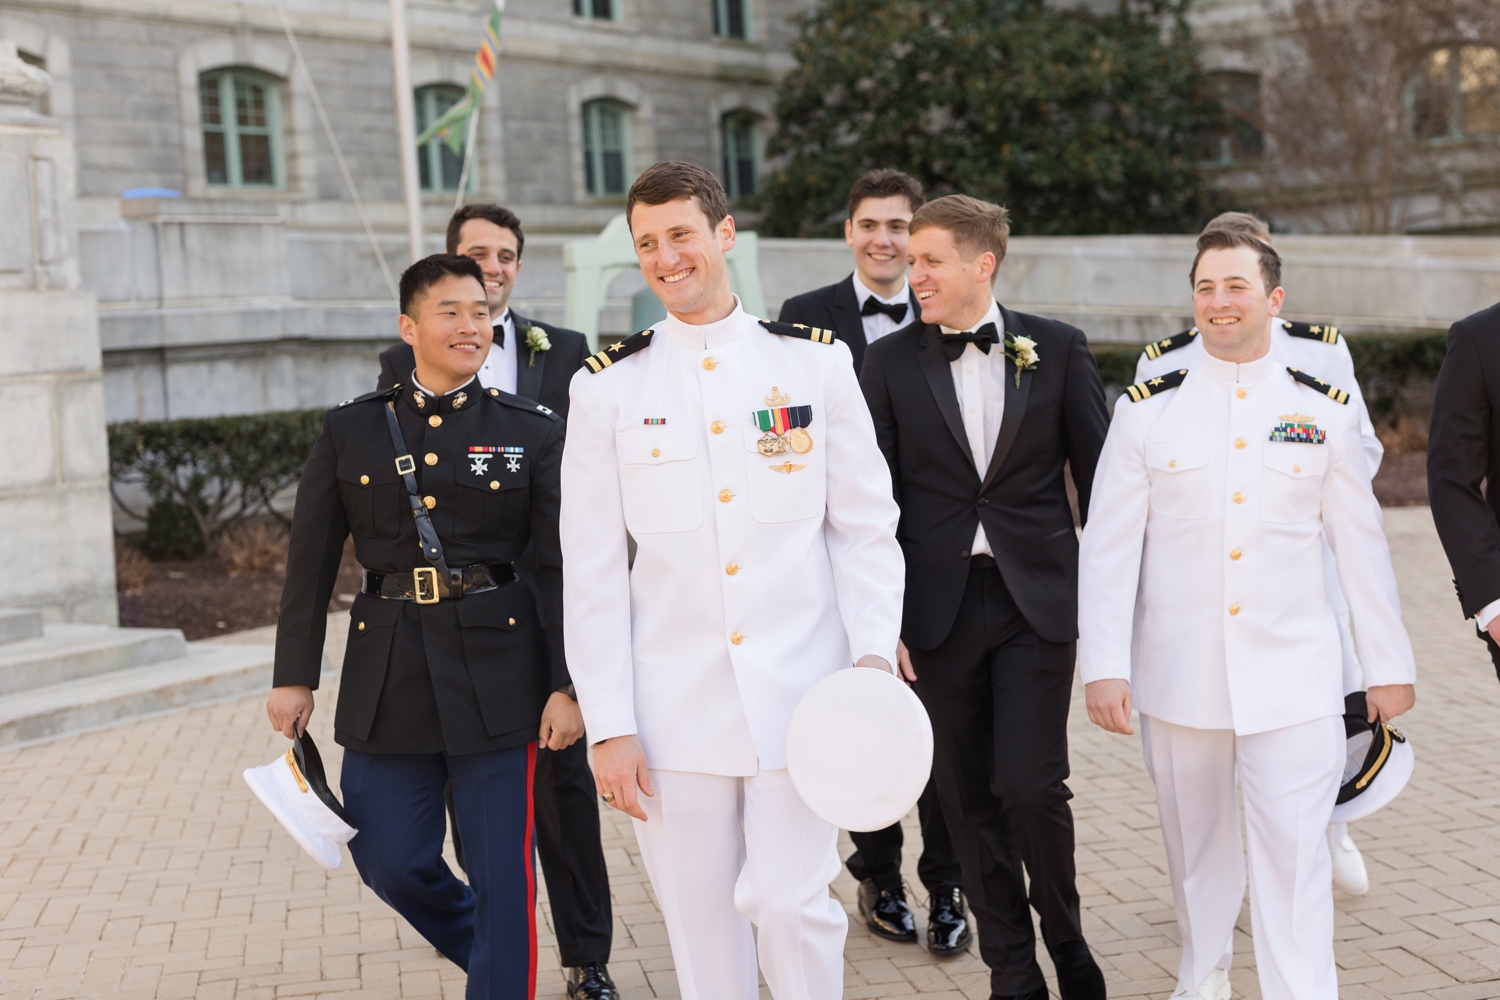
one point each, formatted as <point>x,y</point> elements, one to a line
<point>536,339</point>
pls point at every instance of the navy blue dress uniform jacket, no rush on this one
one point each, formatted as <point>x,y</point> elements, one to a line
<point>1055,416</point>
<point>544,378</point>
<point>458,676</point>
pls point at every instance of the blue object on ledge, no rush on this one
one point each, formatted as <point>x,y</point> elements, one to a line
<point>150,193</point>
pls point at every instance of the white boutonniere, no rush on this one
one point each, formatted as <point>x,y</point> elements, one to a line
<point>536,339</point>
<point>1022,352</point>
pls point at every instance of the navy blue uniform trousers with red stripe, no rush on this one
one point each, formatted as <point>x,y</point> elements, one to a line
<point>396,801</point>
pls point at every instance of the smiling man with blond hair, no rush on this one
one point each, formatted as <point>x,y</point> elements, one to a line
<point>739,456</point>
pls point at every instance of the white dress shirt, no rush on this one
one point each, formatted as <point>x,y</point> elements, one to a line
<point>979,380</point>
<point>499,368</point>
<point>754,576</point>
<point>879,324</point>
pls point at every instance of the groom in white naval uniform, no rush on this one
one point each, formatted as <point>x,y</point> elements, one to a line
<point>1313,347</point>
<point>740,457</point>
<point>1202,598</point>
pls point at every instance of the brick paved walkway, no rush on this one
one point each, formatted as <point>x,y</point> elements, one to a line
<point>134,863</point>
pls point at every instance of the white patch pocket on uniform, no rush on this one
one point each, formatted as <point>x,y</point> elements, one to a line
<point>789,486</point>
<point>1179,480</point>
<point>1293,482</point>
<point>659,484</point>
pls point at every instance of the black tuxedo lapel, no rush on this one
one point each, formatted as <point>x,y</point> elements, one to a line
<point>1015,400</point>
<point>528,370</point>
<point>915,316</point>
<point>847,322</point>
<point>940,378</point>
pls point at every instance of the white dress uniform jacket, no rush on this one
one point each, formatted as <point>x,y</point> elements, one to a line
<point>754,576</point>
<point>1201,577</point>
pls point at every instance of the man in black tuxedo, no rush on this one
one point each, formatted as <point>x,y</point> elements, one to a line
<point>978,409</point>
<point>871,303</point>
<point>874,300</point>
<point>532,359</point>
<point>1463,451</point>
<point>538,366</point>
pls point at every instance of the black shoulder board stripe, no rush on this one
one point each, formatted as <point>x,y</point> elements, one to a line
<point>811,333</point>
<point>377,394</point>
<point>1152,386</point>
<point>1160,347</point>
<point>1313,382</point>
<point>614,352</point>
<point>1317,331</point>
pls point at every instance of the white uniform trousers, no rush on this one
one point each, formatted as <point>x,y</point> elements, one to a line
<point>1289,778</point>
<point>725,853</point>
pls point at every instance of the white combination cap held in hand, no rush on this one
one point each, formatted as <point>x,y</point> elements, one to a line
<point>1379,763</point>
<point>296,791</point>
<point>828,755</point>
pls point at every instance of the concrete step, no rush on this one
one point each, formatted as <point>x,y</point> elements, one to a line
<point>19,623</point>
<point>209,671</point>
<point>70,652</point>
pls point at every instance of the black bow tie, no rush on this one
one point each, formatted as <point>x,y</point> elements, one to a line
<point>499,328</point>
<point>954,343</point>
<point>895,310</point>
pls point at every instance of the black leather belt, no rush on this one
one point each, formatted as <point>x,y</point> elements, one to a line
<point>425,586</point>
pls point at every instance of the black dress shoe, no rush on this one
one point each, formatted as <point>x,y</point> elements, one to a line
<point>1078,975</point>
<point>886,913</point>
<point>948,926</point>
<point>591,982</point>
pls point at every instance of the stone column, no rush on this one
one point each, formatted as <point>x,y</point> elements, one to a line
<point>56,538</point>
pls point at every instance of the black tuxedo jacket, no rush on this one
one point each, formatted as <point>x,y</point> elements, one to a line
<point>836,307</point>
<point>1056,415</point>
<point>544,379</point>
<point>1463,450</point>
<point>460,676</point>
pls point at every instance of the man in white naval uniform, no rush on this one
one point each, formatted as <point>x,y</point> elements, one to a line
<point>740,457</point>
<point>1202,599</point>
<point>1312,347</point>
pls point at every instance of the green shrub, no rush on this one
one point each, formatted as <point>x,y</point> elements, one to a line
<point>204,475</point>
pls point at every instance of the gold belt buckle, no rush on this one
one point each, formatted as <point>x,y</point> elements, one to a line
<point>430,574</point>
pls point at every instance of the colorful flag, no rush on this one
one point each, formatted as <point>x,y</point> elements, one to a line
<point>452,126</point>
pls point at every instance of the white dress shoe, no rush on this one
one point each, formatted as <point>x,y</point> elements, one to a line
<point>1349,867</point>
<point>1215,987</point>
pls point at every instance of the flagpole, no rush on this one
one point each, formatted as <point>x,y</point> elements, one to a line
<point>463,175</point>
<point>406,129</point>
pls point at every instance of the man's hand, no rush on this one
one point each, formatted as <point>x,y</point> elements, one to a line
<point>903,660</point>
<point>289,708</point>
<point>562,722</point>
<point>878,662</point>
<point>1389,700</point>
<point>1109,705</point>
<point>1494,629</point>
<point>620,768</point>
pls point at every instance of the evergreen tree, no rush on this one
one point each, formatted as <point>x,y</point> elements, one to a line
<point>1079,122</point>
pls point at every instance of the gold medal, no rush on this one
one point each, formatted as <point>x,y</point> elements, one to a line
<point>800,440</point>
<point>771,445</point>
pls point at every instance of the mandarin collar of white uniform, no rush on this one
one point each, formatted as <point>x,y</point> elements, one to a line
<point>706,337</point>
<point>1246,373</point>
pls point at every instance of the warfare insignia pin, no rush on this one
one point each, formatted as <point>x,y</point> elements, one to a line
<point>787,467</point>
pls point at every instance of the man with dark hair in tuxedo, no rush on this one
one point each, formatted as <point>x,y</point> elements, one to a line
<point>875,300</point>
<point>1463,465</point>
<point>869,304</point>
<point>978,409</point>
<point>536,361</point>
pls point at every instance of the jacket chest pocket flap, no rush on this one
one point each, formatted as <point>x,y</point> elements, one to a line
<point>373,496</point>
<point>659,486</point>
<point>494,504</point>
<point>1179,478</point>
<point>789,486</point>
<point>1293,482</point>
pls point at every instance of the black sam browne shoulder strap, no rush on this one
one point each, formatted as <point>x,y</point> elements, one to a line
<point>432,549</point>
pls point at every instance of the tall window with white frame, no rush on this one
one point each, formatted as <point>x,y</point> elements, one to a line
<point>1242,140</point>
<point>438,166</point>
<point>732,19</point>
<point>597,10</point>
<point>241,115</point>
<point>1454,94</point>
<point>606,140</point>
<point>741,154</point>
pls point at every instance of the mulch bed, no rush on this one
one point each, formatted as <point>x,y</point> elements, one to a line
<point>200,598</point>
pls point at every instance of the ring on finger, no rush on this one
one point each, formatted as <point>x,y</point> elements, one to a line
<point>609,797</point>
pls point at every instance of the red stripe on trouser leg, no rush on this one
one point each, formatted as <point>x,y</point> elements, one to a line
<point>531,868</point>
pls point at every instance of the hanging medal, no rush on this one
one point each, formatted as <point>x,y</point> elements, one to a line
<point>784,427</point>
